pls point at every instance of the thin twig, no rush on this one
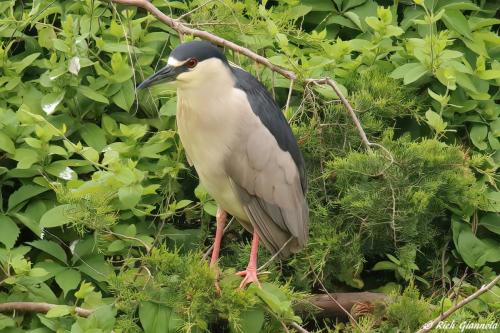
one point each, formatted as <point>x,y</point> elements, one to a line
<point>194,10</point>
<point>298,327</point>
<point>289,95</point>
<point>348,106</point>
<point>38,307</point>
<point>433,323</point>
<point>393,219</point>
<point>143,243</point>
<point>355,323</point>
<point>275,255</point>
<point>182,29</point>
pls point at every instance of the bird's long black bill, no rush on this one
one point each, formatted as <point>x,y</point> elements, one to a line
<point>166,74</point>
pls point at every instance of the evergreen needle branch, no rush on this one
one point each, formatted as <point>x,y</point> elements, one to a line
<point>433,323</point>
<point>182,29</point>
<point>39,307</point>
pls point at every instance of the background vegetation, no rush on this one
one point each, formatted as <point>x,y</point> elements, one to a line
<point>100,210</point>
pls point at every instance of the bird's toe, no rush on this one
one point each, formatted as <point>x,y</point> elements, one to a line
<point>250,275</point>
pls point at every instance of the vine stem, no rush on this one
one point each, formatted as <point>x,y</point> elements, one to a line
<point>433,323</point>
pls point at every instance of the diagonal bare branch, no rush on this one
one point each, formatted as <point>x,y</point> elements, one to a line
<point>433,323</point>
<point>182,29</point>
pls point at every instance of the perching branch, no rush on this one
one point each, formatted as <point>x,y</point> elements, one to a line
<point>38,307</point>
<point>185,30</point>
<point>433,323</point>
<point>323,302</point>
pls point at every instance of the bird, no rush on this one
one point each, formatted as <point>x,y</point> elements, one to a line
<point>242,148</point>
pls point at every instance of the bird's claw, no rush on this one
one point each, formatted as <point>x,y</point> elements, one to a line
<point>250,275</point>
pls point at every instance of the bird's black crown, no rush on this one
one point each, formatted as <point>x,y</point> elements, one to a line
<point>200,50</point>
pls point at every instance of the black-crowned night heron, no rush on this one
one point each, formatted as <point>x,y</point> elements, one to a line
<point>242,148</point>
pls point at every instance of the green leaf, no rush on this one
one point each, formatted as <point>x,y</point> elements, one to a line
<point>116,246</point>
<point>24,193</point>
<point>435,121</point>
<point>56,216</point>
<point>250,321</point>
<point>9,231</point>
<point>130,195</point>
<point>125,97</point>
<point>6,144</point>
<point>182,204</point>
<point>478,135</point>
<point>400,71</point>
<point>59,311</point>
<point>29,222</point>
<point>51,248</point>
<point>157,318</point>
<point>474,251</point>
<point>459,6</point>
<point>276,300</point>
<point>210,208</point>
<point>21,65</point>
<point>92,94</point>
<point>495,127</point>
<point>85,289</point>
<point>493,201</point>
<point>169,108</point>
<point>50,101</point>
<point>384,265</point>
<point>26,157</point>
<point>328,93</point>
<point>414,73</point>
<point>93,136</point>
<point>68,280</point>
<point>37,272</point>
<point>491,221</point>
<point>6,321</point>
<point>455,20</point>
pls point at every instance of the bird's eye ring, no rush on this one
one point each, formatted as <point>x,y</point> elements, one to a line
<point>191,63</point>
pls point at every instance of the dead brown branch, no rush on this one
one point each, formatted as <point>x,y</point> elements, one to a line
<point>433,323</point>
<point>182,29</point>
<point>38,307</point>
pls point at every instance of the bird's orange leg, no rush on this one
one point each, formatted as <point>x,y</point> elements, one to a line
<point>221,222</point>
<point>250,273</point>
<point>219,231</point>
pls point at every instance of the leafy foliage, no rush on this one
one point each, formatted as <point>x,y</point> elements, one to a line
<point>99,209</point>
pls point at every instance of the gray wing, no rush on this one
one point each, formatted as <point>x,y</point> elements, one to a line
<point>270,186</point>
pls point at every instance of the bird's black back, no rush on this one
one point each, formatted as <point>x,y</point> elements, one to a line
<point>265,107</point>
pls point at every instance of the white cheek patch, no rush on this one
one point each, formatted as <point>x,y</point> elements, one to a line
<point>174,62</point>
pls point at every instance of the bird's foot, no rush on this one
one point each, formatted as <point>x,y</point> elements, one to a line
<point>250,275</point>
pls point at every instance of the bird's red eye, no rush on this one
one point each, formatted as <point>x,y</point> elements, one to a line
<point>191,63</point>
